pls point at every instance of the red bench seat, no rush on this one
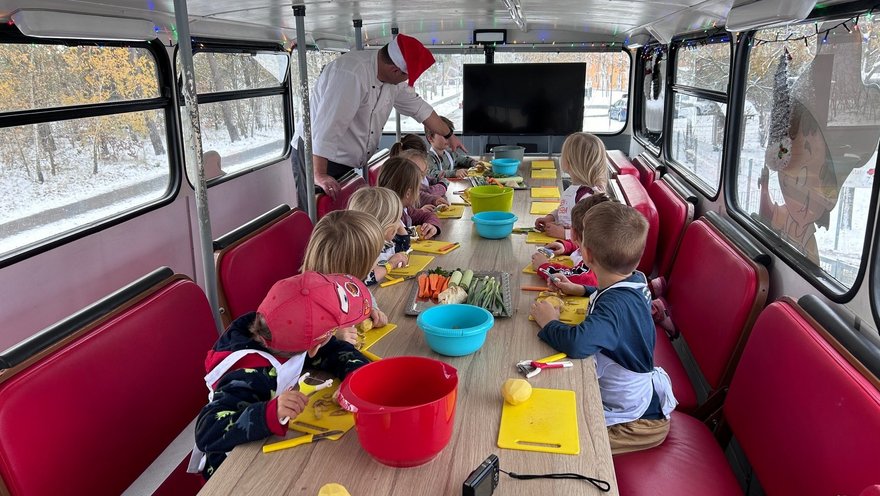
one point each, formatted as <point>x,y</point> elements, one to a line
<point>348,185</point>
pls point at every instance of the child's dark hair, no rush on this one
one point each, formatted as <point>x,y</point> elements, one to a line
<point>580,209</point>
<point>409,142</point>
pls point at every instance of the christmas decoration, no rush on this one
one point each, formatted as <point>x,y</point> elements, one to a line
<point>778,153</point>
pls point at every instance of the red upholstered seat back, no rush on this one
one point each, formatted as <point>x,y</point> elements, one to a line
<point>808,421</point>
<point>620,163</point>
<point>675,214</point>
<point>714,293</point>
<point>327,205</point>
<point>92,415</point>
<point>248,268</point>
<point>647,174</point>
<point>636,196</point>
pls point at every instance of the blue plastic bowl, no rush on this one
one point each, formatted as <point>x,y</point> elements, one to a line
<point>455,329</point>
<point>505,166</point>
<point>494,225</point>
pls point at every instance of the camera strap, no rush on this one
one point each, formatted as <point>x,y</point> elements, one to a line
<point>600,484</point>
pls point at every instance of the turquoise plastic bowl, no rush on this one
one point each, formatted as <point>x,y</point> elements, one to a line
<point>455,329</point>
<point>494,225</point>
<point>505,166</point>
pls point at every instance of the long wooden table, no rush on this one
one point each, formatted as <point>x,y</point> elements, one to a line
<point>304,469</point>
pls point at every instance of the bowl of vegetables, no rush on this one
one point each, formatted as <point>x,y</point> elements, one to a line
<point>494,225</point>
<point>455,329</point>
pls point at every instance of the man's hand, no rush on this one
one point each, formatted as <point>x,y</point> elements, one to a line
<point>328,184</point>
<point>455,144</point>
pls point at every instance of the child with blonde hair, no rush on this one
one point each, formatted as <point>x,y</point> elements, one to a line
<point>432,190</point>
<point>583,158</point>
<point>347,242</point>
<point>403,176</point>
<point>637,397</point>
<point>383,204</point>
<point>446,162</point>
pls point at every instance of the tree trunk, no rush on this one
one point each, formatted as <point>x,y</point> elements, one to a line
<point>228,119</point>
<point>155,136</point>
<point>95,145</point>
<point>48,143</point>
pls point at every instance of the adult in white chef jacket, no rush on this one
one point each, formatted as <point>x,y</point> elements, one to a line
<point>350,103</point>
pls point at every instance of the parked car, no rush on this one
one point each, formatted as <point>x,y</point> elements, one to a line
<point>617,111</point>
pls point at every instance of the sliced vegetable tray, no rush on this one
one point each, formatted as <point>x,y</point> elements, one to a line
<point>415,304</point>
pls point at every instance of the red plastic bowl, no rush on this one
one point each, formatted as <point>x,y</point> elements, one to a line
<point>404,408</point>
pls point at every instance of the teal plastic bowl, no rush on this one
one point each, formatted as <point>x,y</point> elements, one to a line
<point>505,166</point>
<point>455,329</point>
<point>494,225</point>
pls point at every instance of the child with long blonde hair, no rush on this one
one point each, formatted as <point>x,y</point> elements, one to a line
<point>403,176</point>
<point>583,158</point>
<point>432,190</point>
<point>346,242</point>
<point>383,204</point>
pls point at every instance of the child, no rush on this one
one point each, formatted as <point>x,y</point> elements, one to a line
<point>636,396</point>
<point>255,365</point>
<point>403,176</point>
<point>446,163</point>
<point>432,189</point>
<point>386,207</point>
<point>583,158</point>
<point>579,280</point>
<point>346,242</point>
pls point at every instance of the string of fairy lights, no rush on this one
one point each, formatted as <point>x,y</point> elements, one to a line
<point>851,24</point>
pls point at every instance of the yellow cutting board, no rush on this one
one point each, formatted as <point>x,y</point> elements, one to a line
<point>543,207</point>
<point>329,419</point>
<point>543,173</point>
<point>375,334</point>
<point>543,164</point>
<point>546,422</point>
<point>574,308</point>
<point>417,263</point>
<point>546,192</point>
<point>451,212</point>
<point>562,260</point>
<point>537,238</point>
<point>433,246</point>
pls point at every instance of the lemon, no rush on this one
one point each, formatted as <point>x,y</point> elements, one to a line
<point>516,391</point>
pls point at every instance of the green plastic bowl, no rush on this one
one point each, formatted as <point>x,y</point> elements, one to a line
<point>491,198</point>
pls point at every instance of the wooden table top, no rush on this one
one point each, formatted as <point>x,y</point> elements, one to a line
<point>304,469</point>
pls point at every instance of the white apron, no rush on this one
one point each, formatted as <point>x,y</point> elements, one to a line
<point>288,375</point>
<point>626,395</point>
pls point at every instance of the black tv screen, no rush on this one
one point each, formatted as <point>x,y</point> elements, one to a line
<point>523,98</point>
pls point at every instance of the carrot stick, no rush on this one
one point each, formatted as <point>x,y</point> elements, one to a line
<point>534,288</point>
<point>423,285</point>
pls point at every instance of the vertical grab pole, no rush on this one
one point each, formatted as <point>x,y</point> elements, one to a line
<point>358,36</point>
<point>299,11</point>
<point>192,141</point>
<point>394,31</point>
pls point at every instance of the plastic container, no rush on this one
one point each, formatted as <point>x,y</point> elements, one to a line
<point>494,225</point>
<point>509,151</point>
<point>491,198</point>
<point>455,329</point>
<point>404,408</point>
<point>505,166</point>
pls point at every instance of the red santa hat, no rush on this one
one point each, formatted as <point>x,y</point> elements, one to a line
<point>410,56</point>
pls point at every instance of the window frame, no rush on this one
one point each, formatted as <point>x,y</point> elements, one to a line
<point>639,134</point>
<point>827,285</point>
<point>674,88</point>
<point>211,45</point>
<point>165,102</point>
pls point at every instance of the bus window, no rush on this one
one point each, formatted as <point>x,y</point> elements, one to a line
<point>440,86</point>
<point>241,106</point>
<point>68,159</point>
<point>699,103</point>
<point>650,129</point>
<point>809,142</point>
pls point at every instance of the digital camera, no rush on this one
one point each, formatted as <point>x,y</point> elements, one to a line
<point>483,480</point>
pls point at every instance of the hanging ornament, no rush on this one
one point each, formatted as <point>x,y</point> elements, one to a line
<point>655,77</point>
<point>778,153</point>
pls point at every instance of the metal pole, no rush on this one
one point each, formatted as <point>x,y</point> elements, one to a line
<point>394,31</point>
<point>358,37</point>
<point>192,141</point>
<point>299,11</point>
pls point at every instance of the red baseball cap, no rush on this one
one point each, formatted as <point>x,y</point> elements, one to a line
<point>301,311</point>
<point>410,56</point>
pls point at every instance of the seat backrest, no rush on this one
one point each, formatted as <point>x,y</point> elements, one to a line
<point>675,214</point>
<point>805,412</point>
<point>89,414</point>
<point>247,268</point>
<point>715,293</point>
<point>647,173</point>
<point>326,204</point>
<point>634,195</point>
<point>374,166</point>
<point>620,163</point>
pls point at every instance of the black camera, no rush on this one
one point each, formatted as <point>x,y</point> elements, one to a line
<point>483,480</point>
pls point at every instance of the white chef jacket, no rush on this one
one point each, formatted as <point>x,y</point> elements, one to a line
<point>349,108</point>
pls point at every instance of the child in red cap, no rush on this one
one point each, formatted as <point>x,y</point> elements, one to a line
<point>254,366</point>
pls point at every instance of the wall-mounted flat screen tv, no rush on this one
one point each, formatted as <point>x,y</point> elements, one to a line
<point>523,98</point>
